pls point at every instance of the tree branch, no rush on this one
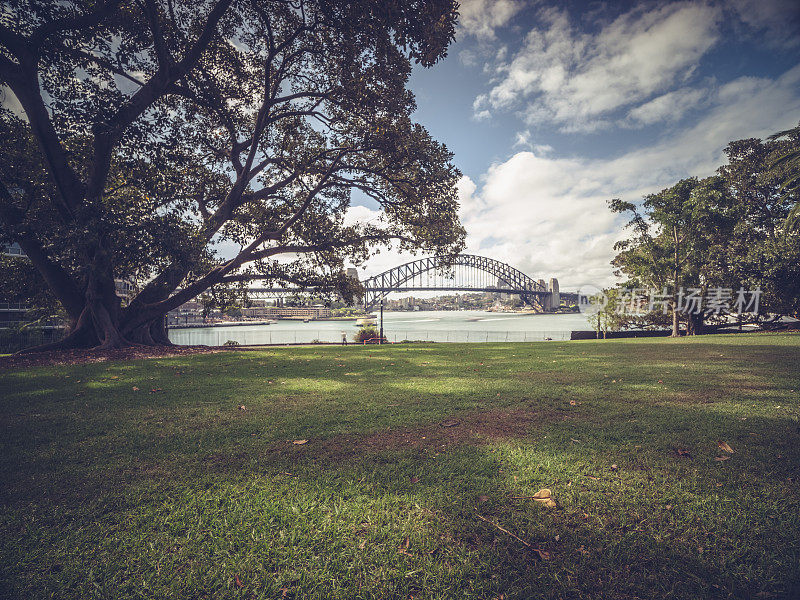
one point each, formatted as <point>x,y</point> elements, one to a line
<point>70,187</point>
<point>79,22</point>
<point>56,277</point>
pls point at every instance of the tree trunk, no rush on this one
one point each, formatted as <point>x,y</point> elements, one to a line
<point>676,325</point>
<point>676,330</point>
<point>103,303</point>
<point>151,333</point>
<point>102,323</point>
<point>694,324</point>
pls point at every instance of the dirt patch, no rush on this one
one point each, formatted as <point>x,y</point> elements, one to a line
<point>470,429</point>
<point>80,356</point>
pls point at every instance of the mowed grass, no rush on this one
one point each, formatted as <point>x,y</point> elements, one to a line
<point>172,491</point>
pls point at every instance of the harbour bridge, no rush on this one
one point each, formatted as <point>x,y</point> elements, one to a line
<point>462,273</point>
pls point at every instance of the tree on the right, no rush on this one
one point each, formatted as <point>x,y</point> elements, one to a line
<point>732,230</point>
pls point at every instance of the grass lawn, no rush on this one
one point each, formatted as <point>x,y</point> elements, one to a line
<point>145,479</point>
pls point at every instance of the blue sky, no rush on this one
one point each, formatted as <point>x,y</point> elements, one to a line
<point>551,108</point>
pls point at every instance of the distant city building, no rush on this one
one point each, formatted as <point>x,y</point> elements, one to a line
<point>125,289</point>
<point>13,250</point>
<point>273,312</point>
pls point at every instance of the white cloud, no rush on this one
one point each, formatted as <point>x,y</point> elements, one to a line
<point>576,79</point>
<point>524,139</point>
<point>548,215</point>
<point>667,107</point>
<point>482,17</point>
<point>357,214</point>
<point>776,22</point>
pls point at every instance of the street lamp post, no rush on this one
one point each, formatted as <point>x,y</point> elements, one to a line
<point>381,334</point>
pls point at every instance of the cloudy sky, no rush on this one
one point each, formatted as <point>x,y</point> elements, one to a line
<point>554,107</point>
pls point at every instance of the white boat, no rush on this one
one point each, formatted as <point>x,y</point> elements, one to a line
<point>366,321</point>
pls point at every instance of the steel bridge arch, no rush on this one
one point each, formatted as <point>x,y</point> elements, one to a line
<point>379,286</point>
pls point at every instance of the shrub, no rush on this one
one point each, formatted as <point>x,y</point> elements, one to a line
<point>231,343</point>
<point>366,333</point>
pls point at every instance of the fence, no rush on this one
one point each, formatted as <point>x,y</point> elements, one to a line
<point>218,336</point>
<point>12,340</point>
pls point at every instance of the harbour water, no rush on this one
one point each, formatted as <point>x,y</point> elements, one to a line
<point>432,326</point>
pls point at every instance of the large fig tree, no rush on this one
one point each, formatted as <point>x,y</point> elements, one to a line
<point>143,135</point>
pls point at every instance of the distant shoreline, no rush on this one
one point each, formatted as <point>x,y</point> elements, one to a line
<point>248,323</point>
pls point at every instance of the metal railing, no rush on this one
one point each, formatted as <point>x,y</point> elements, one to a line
<point>14,306</point>
<point>218,336</point>
<point>12,340</point>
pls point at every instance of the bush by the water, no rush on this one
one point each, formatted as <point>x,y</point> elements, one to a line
<point>367,334</point>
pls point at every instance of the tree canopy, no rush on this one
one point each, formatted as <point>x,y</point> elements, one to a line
<point>731,230</point>
<point>153,131</point>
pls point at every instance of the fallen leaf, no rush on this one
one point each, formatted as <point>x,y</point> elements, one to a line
<point>483,499</point>
<point>572,402</point>
<point>241,407</point>
<point>724,446</point>
<point>449,423</point>
<point>613,467</point>
<point>362,544</point>
<point>403,548</point>
<point>415,479</point>
<point>543,554</point>
<point>720,458</point>
<point>545,497</point>
<point>238,583</point>
<point>135,389</point>
<point>683,452</point>
<point>299,442</point>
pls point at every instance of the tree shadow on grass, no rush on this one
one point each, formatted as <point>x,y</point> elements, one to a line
<point>330,517</point>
